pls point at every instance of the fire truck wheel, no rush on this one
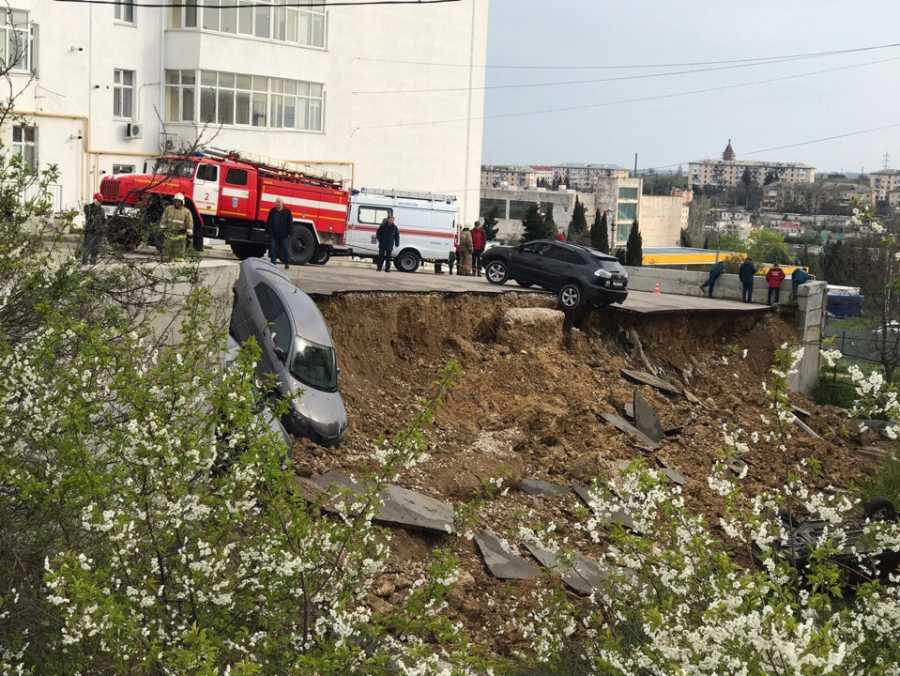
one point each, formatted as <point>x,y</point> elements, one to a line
<point>321,257</point>
<point>301,245</point>
<point>245,250</point>
<point>407,261</point>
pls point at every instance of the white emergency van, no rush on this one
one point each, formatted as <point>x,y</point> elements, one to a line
<point>427,223</point>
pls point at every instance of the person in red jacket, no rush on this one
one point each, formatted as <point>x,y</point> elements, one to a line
<point>775,277</point>
<point>479,242</point>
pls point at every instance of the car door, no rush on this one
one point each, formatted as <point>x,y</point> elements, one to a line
<point>206,189</point>
<point>526,262</point>
<point>559,264</point>
<point>237,198</point>
<point>364,222</point>
<point>268,324</point>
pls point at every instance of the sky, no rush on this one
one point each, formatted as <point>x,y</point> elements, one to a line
<point>677,130</point>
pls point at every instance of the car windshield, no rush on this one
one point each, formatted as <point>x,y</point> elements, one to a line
<point>314,365</point>
<point>177,168</point>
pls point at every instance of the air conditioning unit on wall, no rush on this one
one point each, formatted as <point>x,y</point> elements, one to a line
<point>133,130</point>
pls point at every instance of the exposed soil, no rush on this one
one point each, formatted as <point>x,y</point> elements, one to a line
<point>527,405</point>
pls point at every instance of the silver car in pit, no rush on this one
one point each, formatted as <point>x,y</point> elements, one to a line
<point>296,347</point>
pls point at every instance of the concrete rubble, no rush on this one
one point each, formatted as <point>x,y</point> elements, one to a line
<point>582,574</point>
<point>503,563</point>
<point>641,439</point>
<point>651,380</point>
<point>538,487</point>
<point>399,506</point>
<point>646,419</point>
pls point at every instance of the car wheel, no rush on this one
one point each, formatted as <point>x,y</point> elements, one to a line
<point>570,296</point>
<point>523,283</point>
<point>245,250</point>
<point>407,261</point>
<point>301,245</point>
<point>880,509</point>
<point>321,257</point>
<point>497,272</point>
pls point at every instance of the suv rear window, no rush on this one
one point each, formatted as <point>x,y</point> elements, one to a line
<point>610,266</point>
<point>565,255</point>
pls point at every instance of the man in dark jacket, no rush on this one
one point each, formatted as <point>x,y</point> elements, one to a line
<point>747,272</point>
<point>94,229</point>
<point>714,273</point>
<point>388,236</point>
<point>278,225</point>
<point>798,279</point>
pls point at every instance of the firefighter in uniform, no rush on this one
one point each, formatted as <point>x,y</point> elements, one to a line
<point>176,225</point>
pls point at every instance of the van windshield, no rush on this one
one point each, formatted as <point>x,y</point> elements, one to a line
<point>314,365</point>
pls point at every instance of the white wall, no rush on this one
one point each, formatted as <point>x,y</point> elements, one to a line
<point>427,157</point>
<point>661,220</point>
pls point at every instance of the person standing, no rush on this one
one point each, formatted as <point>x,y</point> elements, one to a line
<point>465,253</point>
<point>94,229</point>
<point>775,277</point>
<point>388,236</point>
<point>176,224</point>
<point>747,273</point>
<point>479,242</point>
<point>278,225</point>
<point>714,273</point>
<point>798,279</point>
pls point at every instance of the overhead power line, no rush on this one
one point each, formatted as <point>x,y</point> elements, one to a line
<point>307,3</point>
<point>640,99</point>
<point>620,78</point>
<point>607,66</point>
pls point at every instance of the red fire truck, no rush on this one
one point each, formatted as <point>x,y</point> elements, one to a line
<point>231,198</point>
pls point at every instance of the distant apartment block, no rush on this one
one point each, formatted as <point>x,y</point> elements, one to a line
<point>582,177</point>
<point>883,182</point>
<point>729,171</point>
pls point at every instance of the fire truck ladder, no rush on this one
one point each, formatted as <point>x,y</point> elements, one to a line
<point>272,171</point>
<point>408,194</point>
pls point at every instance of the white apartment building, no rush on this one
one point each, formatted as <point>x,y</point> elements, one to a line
<point>584,177</point>
<point>105,87</point>
<point>884,182</point>
<point>728,171</point>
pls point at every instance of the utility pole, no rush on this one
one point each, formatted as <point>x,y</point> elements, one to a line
<point>635,164</point>
<point>465,199</point>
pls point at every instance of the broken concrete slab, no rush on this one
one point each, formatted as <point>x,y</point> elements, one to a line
<point>503,563</point>
<point>806,428</point>
<point>538,487</point>
<point>652,381</point>
<point>624,426</point>
<point>673,475</point>
<point>646,419</point>
<point>739,467</point>
<point>582,575</point>
<point>619,516</point>
<point>802,412</point>
<point>691,397</point>
<point>629,410</point>
<point>399,506</point>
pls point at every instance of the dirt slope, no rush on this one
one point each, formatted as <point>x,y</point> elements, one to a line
<point>527,405</point>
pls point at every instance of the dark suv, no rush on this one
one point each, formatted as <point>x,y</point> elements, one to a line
<point>581,276</point>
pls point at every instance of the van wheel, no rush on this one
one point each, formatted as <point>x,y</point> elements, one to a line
<point>321,257</point>
<point>301,245</point>
<point>407,261</point>
<point>245,250</point>
<point>570,296</point>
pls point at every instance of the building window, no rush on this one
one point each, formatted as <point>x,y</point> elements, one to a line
<point>251,100</point>
<point>180,87</point>
<point>487,204</point>
<point>518,209</point>
<point>122,169</point>
<point>24,144</point>
<point>125,11</point>
<point>281,20</point>
<point>628,193</point>
<point>627,212</point>
<point>623,232</point>
<point>123,93</point>
<point>17,41</point>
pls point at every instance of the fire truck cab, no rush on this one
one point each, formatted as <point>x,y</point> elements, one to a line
<point>230,198</point>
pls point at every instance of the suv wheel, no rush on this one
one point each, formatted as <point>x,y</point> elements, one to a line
<point>570,296</point>
<point>497,272</point>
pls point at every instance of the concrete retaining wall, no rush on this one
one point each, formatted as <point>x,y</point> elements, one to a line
<point>687,283</point>
<point>812,303</point>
